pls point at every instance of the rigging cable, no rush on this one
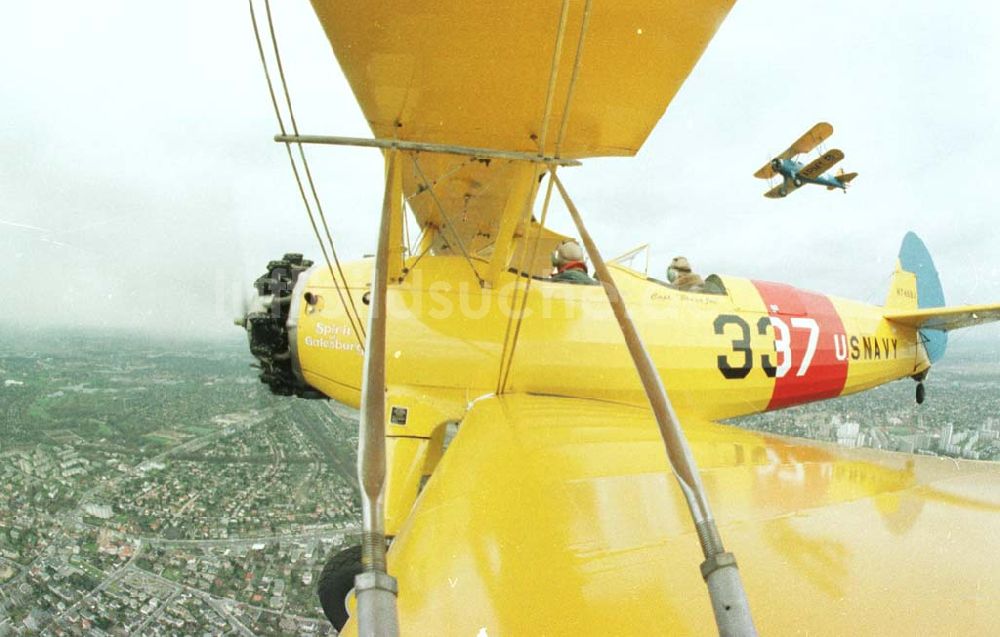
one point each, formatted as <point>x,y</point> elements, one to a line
<point>507,355</point>
<point>553,74</point>
<point>352,313</point>
<point>527,287</point>
<point>444,215</point>
<point>513,295</point>
<point>413,265</point>
<point>406,231</point>
<point>305,165</point>
<point>573,78</point>
<point>443,176</point>
<point>406,200</point>
<point>455,168</point>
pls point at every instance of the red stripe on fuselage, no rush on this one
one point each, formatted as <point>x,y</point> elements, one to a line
<point>796,317</point>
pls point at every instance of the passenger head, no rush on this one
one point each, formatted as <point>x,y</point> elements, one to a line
<point>567,252</point>
<point>677,267</point>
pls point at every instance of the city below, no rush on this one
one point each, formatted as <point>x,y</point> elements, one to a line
<point>154,487</point>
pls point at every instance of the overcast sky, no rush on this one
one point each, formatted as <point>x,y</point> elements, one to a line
<point>139,186</point>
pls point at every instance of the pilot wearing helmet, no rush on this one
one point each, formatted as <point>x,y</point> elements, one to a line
<point>681,277</point>
<point>568,262</point>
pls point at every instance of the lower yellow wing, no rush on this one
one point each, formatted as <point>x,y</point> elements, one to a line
<point>776,192</point>
<point>558,516</point>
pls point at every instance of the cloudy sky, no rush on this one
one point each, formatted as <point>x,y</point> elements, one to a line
<point>139,187</point>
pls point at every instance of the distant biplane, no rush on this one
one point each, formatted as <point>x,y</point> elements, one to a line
<point>794,174</point>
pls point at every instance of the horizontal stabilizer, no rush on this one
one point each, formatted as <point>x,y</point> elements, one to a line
<point>846,178</point>
<point>946,318</point>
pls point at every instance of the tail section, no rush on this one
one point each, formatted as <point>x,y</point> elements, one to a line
<point>916,300</point>
<point>916,286</point>
<point>844,178</point>
<point>902,290</point>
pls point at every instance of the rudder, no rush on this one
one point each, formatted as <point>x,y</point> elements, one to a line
<point>915,273</point>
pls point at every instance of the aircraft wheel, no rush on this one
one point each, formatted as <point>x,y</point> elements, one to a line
<point>783,192</point>
<point>921,393</point>
<point>336,582</point>
<point>798,182</point>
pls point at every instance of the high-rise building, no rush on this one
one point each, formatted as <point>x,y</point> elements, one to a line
<point>945,436</point>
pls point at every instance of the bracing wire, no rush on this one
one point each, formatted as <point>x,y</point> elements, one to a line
<point>295,171</point>
<point>444,216</point>
<point>406,231</point>
<point>510,346</point>
<point>442,177</point>
<point>420,237</point>
<point>527,286</point>
<point>573,78</point>
<point>415,262</point>
<point>309,178</point>
<point>553,73</point>
<point>513,299</point>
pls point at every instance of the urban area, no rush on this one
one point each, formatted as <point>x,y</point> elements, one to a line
<point>154,487</point>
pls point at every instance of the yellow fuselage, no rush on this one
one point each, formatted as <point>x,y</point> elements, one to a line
<point>720,355</point>
<point>758,346</point>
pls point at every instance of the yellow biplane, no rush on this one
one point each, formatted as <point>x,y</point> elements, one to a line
<point>518,434</point>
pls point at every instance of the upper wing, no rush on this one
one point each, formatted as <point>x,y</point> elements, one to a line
<point>478,73</point>
<point>765,172</point>
<point>822,164</point>
<point>810,140</point>
<point>559,516</point>
<point>946,318</point>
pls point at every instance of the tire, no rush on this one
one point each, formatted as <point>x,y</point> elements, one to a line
<point>921,393</point>
<point>336,581</point>
<point>783,192</point>
<point>797,182</point>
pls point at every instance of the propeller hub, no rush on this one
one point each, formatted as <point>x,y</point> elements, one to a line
<point>266,323</point>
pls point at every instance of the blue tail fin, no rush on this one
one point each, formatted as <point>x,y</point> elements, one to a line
<point>914,257</point>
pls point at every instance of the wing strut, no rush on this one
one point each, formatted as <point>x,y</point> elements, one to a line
<point>375,589</point>
<point>729,600</point>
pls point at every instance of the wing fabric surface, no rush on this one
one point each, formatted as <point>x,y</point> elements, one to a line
<point>822,164</point>
<point>765,172</point>
<point>775,193</point>
<point>559,516</point>
<point>478,74</point>
<point>810,140</point>
<point>947,318</point>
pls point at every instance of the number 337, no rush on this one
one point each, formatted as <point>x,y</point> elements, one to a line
<point>782,345</point>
